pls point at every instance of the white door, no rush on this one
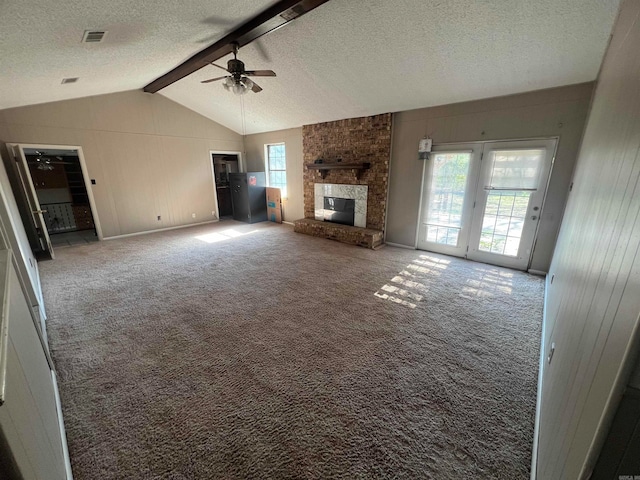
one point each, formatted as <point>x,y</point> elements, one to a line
<point>510,193</point>
<point>32,199</point>
<point>483,201</point>
<point>449,184</point>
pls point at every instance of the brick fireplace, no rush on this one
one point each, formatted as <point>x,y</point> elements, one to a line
<point>363,144</point>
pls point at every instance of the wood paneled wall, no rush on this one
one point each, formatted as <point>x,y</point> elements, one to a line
<point>593,295</point>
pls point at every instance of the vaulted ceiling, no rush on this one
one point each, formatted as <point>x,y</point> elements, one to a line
<point>347,58</point>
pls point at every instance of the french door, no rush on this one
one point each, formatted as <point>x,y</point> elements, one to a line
<point>483,201</point>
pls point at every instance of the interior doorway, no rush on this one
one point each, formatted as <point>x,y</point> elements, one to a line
<point>483,201</point>
<point>223,164</point>
<point>56,186</point>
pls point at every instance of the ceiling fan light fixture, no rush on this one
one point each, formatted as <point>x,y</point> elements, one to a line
<point>238,87</point>
<point>228,83</point>
<point>45,166</point>
<point>247,82</point>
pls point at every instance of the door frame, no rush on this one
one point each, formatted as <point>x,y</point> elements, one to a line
<point>556,138</point>
<point>85,175</point>
<point>213,172</point>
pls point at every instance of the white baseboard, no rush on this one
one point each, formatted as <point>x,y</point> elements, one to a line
<point>288,223</point>
<point>537,272</point>
<point>160,230</point>
<point>399,245</point>
<point>541,364</point>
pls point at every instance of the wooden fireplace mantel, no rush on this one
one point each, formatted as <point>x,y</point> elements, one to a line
<point>323,168</point>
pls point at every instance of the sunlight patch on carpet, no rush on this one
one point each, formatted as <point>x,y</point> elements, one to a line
<point>425,268</point>
<point>229,234</point>
<point>488,281</point>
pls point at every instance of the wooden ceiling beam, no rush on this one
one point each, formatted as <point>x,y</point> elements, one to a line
<point>271,19</point>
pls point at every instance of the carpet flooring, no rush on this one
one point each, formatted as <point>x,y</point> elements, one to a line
<point>249,351</point>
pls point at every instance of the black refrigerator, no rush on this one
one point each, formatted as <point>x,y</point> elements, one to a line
<point>249,196</point>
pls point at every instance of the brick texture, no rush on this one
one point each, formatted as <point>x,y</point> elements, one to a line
<point>354,140</point>
<point>364,237</point>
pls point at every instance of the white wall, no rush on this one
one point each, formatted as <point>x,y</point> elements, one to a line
<point>593,303</point>
<point>293,206</point>
<point>149,155</point>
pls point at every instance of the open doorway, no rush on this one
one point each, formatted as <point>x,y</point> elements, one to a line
<point>54,181</point>
<point>62,193</point>
<point>223,164</point>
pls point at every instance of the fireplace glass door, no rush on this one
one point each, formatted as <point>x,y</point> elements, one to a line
<point>339,210</point>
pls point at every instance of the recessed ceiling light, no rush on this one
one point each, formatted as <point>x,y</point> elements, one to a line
<point>93,36</point>
<point>70,80</point>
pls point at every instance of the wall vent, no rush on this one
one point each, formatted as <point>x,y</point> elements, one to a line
<point>70,80</point>
<point>93,36</point>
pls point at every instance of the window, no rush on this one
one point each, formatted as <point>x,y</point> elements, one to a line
<point>277,167</point>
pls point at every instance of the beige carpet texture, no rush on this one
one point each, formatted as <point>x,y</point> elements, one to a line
<point>236,351</point>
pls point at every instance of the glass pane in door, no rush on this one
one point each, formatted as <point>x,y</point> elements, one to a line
<point>446,197</point>
<point>503,221</point>
<point>516,169</point>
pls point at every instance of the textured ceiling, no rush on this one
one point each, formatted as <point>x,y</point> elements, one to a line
<point>40,43</point>
<point>345,59</point>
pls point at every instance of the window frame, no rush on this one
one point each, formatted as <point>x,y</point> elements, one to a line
<point>268,170</point>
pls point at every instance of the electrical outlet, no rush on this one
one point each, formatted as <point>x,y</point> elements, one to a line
<point>213,212</point>
<point>193,215</point>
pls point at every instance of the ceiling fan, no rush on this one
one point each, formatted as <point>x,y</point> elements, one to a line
<point>45,163</point>
<point>239,82</point>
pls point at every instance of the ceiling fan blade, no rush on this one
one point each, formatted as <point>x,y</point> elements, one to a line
<point>261,50</point>
<point>217,21</point>
<point>53,162</point>
<point>256,88</point>
<point>221,68</point>
<point>213,79</point>
<point>260,73</point>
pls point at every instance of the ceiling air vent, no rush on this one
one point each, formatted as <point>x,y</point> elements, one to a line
<point>70,80</point>
<point>93,36</point>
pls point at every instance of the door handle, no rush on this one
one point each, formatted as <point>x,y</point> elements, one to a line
<point>40,211</point>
